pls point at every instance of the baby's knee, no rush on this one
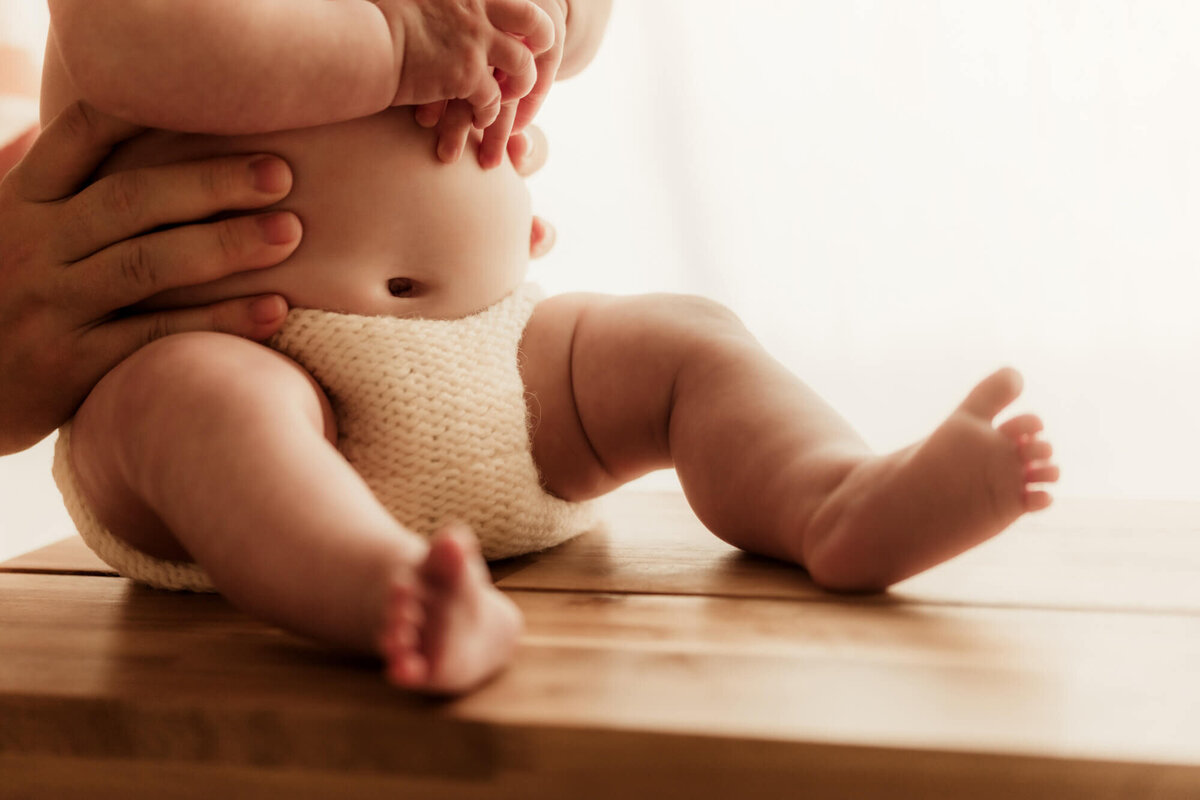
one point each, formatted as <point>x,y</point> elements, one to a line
<point>142,409</point>
<point>701,313</point>
<point>686,319</point>
<point>190,378</point>
<point>208,367</point>
<point>702,329</point>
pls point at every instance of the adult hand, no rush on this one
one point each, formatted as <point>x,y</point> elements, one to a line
<point>528,151</point>
<point>72,258</point>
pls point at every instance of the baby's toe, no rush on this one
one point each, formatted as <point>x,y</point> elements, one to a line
<point>403,617</point>
<point>399,639</point>
<point>1036,500</point>
<point>1023,425</point>
<point>1044,473</point>
<point>408,669</point>
<point>450,553</point>
<point>994,393</point>
<point>1033,449</point>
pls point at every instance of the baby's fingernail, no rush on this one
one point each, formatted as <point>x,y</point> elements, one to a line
<point>270,175</point>
<point>268,309</point>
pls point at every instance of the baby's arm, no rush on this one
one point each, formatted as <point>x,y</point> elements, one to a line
<point>247,66</point>
<point>586,21</point>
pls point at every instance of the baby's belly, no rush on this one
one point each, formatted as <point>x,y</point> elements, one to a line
<point>375,205</point>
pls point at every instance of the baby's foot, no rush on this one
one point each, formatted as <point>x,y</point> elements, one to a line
<point>896,515</point>
<point>448,628</point>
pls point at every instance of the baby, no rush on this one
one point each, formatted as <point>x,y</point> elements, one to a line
<point>205,459</point>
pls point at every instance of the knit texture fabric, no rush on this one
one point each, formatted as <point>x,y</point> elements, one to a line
<point>128,561</point>
<point>432,415</point>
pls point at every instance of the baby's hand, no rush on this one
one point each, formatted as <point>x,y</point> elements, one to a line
<point>479,51</point>
<point>547,62</point>
<point>515,115</point>
<point>453,120</point>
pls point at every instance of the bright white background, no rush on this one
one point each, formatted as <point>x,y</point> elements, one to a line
<point>897,197</point>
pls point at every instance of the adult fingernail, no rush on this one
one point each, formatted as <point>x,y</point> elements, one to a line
<point>268,309</point>
<point>270,175</point>
<point>279,228</point>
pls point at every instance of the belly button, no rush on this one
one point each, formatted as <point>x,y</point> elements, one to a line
<point>402,287</point>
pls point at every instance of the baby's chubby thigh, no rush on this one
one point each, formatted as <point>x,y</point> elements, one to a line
<point>143,442</point>
<point>602,375</point>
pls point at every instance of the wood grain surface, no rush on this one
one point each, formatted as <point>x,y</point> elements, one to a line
<point>1056,661</point>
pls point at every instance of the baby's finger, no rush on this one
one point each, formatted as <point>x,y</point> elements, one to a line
<point>485,102</point>
<point>528,150</point>
<point>516,62</point>
<point>495,138</point>
<point>525,19</point>
<point>547,70</point>
<point>250,317</point>
<point>453,131</point>
<point>541,238</point>
<point>430,114</point>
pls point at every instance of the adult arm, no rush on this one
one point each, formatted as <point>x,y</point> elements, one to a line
<point>71,259</point>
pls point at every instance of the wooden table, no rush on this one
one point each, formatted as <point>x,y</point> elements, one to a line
<point>1061,660</point>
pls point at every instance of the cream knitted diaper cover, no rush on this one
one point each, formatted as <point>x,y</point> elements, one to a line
<point>431,413</point>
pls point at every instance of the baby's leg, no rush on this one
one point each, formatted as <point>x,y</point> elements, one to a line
<point>208,447</point>
<point>626,385</point>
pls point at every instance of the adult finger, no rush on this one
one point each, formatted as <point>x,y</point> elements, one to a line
<point>132,202</point>
<point>132,270</point>
<point>525,19</point>
<point>68,151</point>
<point>453,131</point>
<point>528,150</point>
<point>495,138</point>
<point>250,317</point>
